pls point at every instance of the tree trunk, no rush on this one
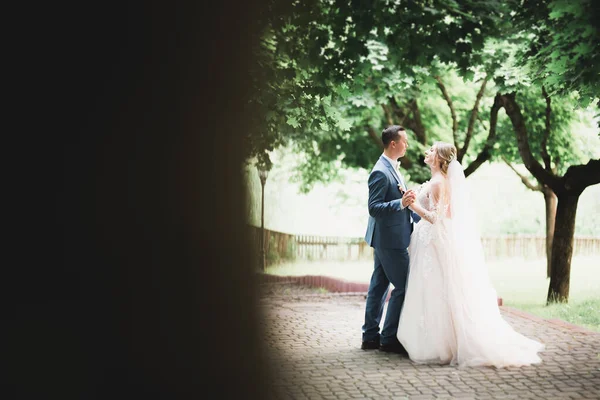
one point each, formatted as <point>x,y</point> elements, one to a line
<point>562,247</point>
<point>374,137</point>
<point>550,200</point>
<point>416,122</point>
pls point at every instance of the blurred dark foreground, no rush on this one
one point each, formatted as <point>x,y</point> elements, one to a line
<point>132,277</point>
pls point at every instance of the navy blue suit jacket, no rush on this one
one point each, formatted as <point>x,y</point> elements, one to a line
<point>389,226</point>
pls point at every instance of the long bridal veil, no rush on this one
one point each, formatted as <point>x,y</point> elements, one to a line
<point>464,234</point>
<point>483,337</point>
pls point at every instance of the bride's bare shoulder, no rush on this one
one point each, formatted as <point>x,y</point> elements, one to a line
<point>437,182</point>
<point>437,186</point>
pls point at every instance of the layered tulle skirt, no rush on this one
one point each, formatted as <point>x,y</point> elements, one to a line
<point>450,313</point>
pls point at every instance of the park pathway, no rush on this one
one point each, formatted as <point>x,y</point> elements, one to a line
<point>313,343</point>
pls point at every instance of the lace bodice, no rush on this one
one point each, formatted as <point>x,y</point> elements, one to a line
<point>423,197</point>
<point>426,200</point>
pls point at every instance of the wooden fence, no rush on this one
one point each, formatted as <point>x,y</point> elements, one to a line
<point>532,246</point>
<point>287,247</point>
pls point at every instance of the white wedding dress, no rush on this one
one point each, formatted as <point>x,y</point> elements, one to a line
<point>450,313</point>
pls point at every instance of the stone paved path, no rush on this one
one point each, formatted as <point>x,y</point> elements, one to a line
<point>314,349</point>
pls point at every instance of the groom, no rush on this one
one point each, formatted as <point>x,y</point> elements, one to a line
<point>388,232</point>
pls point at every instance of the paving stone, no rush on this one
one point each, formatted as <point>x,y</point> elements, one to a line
<point>314,342</point>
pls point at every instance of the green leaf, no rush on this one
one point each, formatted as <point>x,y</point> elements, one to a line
<point>343,91</point>
<point>293,122</point>
<point>343,124</point>
<point>556,14</point>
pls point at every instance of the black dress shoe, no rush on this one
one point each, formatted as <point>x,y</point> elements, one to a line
<point>394,348</point>
<point>370,344</point>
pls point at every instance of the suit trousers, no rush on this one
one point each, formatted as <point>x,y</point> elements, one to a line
<point>390,266</point>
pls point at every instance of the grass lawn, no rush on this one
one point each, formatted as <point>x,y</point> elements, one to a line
<point>521,283</point>
<point>583,313</point>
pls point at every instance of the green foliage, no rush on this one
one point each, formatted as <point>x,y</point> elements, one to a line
<point>564,45</point>
<point>312,54</point>
<point>364,107</point>
<point>272,255</point>
<point>325,69</point>
<point>290,251</point>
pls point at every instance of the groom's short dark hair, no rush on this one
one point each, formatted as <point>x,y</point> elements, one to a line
<point>390,133</point>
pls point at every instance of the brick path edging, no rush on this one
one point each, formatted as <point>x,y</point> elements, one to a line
<point>333,285</point>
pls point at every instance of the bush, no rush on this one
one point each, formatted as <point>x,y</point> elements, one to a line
<point>272,255</point>
<point>290,251</point>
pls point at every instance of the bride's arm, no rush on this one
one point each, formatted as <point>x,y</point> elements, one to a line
<point>429,215</point>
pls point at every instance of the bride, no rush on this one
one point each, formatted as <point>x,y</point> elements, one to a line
<point>451,314</point>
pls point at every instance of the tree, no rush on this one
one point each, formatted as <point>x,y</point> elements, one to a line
<point>550,136</point>
<point>563,56</point>
<point>315,86</point>
<point>311,46</point>
<point>550,201</point>
<point>433,103</point>
<point>567,187</point>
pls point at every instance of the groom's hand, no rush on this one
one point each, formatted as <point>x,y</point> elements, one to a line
<point>408,198</point>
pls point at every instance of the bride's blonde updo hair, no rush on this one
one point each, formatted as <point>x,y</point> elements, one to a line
<point>446,152</point>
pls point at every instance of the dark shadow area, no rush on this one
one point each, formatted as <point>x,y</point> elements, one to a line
<point>134,279</point>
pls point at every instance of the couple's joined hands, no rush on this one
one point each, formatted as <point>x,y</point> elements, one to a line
<point>408,198</point>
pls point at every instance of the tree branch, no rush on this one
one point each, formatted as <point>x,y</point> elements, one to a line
<point>486,152</point>
<point>400,114</point>
<point>406,162</point>
<point>516,117</point>
<point>374,136</point>
<point>481,121</point>
<point>545,155</point>
<point>578,177</point>
<point>388,114</point>
<point>418,126</point>
<point>415,123</point>
<point>452,112</point>
<point>472,119</point>
<point>524,179</point>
